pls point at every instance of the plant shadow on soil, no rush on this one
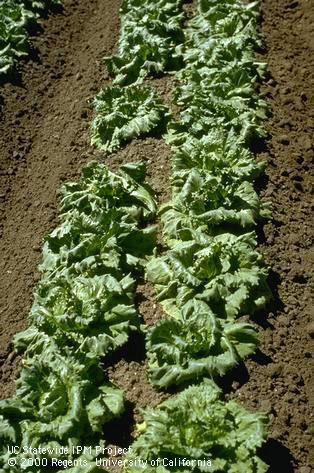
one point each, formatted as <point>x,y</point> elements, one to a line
<point>274,306</point>
<point>277,456</point>
<point>133,350</point>
<point>13,77</point>
<point>119,431</point>
<point>238,376</point>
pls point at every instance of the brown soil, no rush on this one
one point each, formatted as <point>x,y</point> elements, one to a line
<point>279,379</point>
<point>44,140</point>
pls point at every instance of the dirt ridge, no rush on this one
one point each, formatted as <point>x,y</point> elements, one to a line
<point>279,379</point>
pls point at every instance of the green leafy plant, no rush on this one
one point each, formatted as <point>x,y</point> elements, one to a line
<point>85,301</point>
<point>196,345</point>
<point>101,219</point>
<point>58,402</point>
<point>83,308</point>
<point>15,17</point>
<point>151,33</point>
<point>123,114</point>
<point>197,431</point>
<point>224,271</point>
<point>82,315</point>
<point>217,152</point>
<point>210,201</point>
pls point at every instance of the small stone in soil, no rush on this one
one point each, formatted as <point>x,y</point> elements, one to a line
<point>310,329</point>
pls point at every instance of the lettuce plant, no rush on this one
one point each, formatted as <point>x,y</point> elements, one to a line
<point>210,201</point>
<point>197,431</point>
<point>15,16</point>
<point>215,152</point>
<point>123,114</point>
<point>83,308</point>
<point>58,402</point>
<point>100,224</point>
<point>84,305</point>
<point>224,271</point>
<point>196,345</point>
<point>91,315</point>
<point>151,35</point>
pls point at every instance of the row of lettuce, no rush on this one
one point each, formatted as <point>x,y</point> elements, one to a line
<point>211,273</point>
<point>84,305</point>
<point>83,309</point>
<point>16,17</point>
<point>209,276</point>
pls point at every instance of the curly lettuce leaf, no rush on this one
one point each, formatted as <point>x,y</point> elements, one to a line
<point>125,113</point>
<point>224,271</point>
<point>58,402</point>
<point>150,40</point>
<point>197,425</point>
<point>90,315</point>
<point>195,346</point>
<point>15,18</point>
